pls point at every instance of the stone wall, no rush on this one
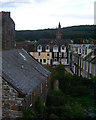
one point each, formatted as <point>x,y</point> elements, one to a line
<point>40,91</point>
<point>8,31</point>
<point>12,102</point>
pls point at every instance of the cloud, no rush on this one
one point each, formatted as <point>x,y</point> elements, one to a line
<point>76,16</point>
<point>13,3</point>
<point>47,13</point>
<point>17,3</point>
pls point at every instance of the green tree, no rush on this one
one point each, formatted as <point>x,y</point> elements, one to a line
<point>53,117</point>
<point>57,73</point>
<point>94,90</point>
<point>40,107</point>
<point>29,114</point>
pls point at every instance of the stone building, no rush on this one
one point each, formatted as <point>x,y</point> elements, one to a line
<point>23,81</point>
<point>51,51</point>
<point>8,31</point>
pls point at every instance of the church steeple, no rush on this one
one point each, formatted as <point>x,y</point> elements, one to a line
<point>59,26</point>
<point>59,32</point>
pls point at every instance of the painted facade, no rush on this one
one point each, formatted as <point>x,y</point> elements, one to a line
<point>51,52</point>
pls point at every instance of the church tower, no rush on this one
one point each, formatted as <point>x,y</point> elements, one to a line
<point>59,32</point>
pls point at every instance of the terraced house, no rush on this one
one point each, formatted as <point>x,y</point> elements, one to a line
<point>83,59</point>
<point>51,51</point>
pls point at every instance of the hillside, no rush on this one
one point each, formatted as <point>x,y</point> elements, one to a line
<point>73,32</point>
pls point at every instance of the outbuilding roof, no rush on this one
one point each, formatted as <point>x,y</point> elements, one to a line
<point>22,71</point>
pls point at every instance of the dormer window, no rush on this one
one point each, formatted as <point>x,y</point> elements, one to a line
<point>55,48</point>
<point>47,48</point>
<point>63,48</point>
<point>39,48</point>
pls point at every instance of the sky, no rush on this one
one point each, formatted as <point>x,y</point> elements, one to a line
<point>43,14</point>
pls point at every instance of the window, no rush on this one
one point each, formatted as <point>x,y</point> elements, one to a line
<point>90,67</point>
<point>47,47</point>
<point>80,50</point>
<point>44,60</point>
<point>40,60</point>
<point>83,64</point>
<point>65,54</point>
<point>55,48</point>
<point>60,54</point>
<point>47,54</point>
<point>62,47</point>
<point>87,66</point>
<point>76,49</point>
<point>55,54</point>
<point>85,51</point>
<point>39,53</point>
<point>55,60</point>
<point>48,61</point>
<point>39,47</point>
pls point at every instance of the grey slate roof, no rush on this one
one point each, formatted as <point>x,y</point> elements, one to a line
<point>44,42</point>
<point>22,71</point>
<point>50,42</point>
<point>94,61</point>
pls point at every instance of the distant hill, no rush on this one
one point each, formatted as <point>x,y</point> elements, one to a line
<point>73,32</point>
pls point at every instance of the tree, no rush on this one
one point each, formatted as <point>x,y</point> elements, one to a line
<point>94,89</point>
<point>53,117</point>
<point>58,73</point>
<point>29,114</point>
<point>40,108</point>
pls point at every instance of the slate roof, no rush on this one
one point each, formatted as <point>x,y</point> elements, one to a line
<point>22,71</point>
<point>44,42</point>
<point>94,61</point>
<point>50,42</point>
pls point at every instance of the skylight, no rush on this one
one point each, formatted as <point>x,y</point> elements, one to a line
<point>24,58</point>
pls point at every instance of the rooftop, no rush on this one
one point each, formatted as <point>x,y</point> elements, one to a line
<point>22,71</point>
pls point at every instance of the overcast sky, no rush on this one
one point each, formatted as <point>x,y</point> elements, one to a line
<point>42,14</point>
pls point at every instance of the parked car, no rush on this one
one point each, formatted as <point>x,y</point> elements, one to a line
<point>56,63</point>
